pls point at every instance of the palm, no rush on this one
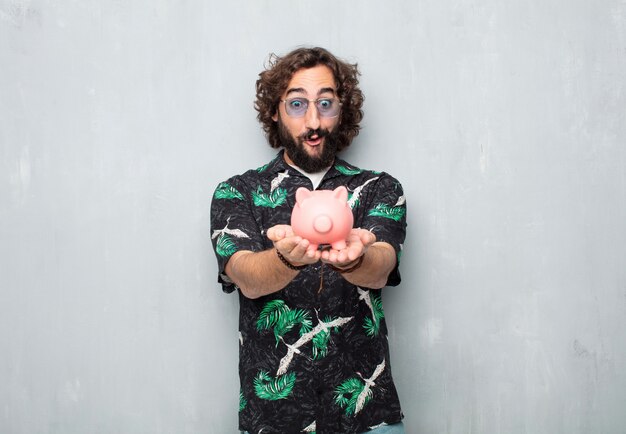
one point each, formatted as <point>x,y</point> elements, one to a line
<point>356,244</point>
<point>293,247</point>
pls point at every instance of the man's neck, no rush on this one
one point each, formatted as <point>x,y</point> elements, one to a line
<point>298,168</point>
<point>315,177</point>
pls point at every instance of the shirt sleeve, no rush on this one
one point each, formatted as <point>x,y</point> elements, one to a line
<point>385,217</point>
<point>233,226</point>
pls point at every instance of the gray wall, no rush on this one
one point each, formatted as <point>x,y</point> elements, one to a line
<point>505,121</point>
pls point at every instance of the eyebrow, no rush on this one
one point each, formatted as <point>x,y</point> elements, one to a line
<point>301,90</point>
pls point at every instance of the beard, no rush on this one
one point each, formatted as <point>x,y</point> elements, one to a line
<point>295,148</point>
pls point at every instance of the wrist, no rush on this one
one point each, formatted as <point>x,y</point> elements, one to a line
<point>289,264</point>
<point>349,267</point>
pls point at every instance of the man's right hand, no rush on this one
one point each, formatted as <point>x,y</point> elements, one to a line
<point>294,248</point>
<point>261,273</point>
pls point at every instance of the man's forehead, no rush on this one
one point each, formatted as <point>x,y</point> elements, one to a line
<point>316,80</point>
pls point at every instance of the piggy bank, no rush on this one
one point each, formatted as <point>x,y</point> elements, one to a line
<point>322,217</point>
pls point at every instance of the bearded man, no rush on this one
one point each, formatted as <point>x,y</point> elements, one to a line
<point>313,350</point>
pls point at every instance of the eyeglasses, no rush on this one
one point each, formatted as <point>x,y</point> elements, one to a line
<point>326,107</point>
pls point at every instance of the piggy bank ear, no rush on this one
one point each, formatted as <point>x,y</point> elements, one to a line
<point>301,194</point>
<point>341,193</point>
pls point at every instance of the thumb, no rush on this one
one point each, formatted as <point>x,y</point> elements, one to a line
<point>279,232</point>
<point>367,238</point>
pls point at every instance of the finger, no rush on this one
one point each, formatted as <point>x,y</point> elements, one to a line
<point>278,232</point>
<point>345,256</point>
<point>313,254</point>
<point>349,256</point>
<point>368,238</point>
<point>287,244</point>
<point>325,254</point>
<point>299,249</point>
<point>275,233</point>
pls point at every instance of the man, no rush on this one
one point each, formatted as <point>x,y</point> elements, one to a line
<point>314,355</point>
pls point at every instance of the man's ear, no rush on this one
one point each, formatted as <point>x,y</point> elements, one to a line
<point>275,116</point>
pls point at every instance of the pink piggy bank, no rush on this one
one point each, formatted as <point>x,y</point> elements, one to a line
<point>322,217</point>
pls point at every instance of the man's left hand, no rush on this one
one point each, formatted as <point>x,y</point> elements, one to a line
<point>357,243</point>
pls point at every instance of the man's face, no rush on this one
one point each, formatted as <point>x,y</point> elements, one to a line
<point>309,141</point>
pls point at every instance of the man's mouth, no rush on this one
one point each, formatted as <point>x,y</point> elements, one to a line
<point>314,137</point>
<point>314,141</point>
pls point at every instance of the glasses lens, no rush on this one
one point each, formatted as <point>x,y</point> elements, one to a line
<point>296,107</point>
<point>327,107</point>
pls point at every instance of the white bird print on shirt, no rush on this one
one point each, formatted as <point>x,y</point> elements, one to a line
<point>237,233</point>
<point>277,181</point>
<point>369,383</point>
<point>356,193</point>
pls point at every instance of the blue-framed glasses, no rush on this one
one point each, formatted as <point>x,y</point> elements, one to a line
<point>326,107</point>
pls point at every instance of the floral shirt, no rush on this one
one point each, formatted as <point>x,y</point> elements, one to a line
<point>314,356</point>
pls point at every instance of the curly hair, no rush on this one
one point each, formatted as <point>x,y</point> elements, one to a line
<point>274,80</point>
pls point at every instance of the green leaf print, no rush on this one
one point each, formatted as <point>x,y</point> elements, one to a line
<point>289,321</point>
<point>225,246</point>
<point>320,344</point>
<point>372,325</point>
<point>306,325</point>
<point>377,304</point>
<point>273,389</point>
<point>262,168</point>
<point>242,401</point>
<point>391,212</point>
<point>320,341</point>
<point>276,314</point>
<point>347,394</point>
<point>354,393</point>
<point>271,314</point>
<point>227,191</point>
<point>272,200</point>
<point>348,170</point>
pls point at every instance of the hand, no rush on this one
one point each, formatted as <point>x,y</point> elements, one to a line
<point>294,248</point>
<point>357,244</point>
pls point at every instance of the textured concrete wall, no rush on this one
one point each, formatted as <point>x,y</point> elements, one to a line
<point>505,121</point>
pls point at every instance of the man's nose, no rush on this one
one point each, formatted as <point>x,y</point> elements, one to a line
<point>312,117</point>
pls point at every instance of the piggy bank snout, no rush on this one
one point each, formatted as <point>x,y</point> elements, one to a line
<point>322,224</point>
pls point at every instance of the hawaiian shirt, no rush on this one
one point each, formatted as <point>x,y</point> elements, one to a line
<point>314,356</point>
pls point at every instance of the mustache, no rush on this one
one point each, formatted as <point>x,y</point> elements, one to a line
<point>319,132</point>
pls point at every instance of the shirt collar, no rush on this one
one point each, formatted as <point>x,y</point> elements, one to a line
<point>339,168</point>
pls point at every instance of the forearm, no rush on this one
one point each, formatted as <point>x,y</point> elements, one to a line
<point>259,273</point>
<point>378,261</point>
